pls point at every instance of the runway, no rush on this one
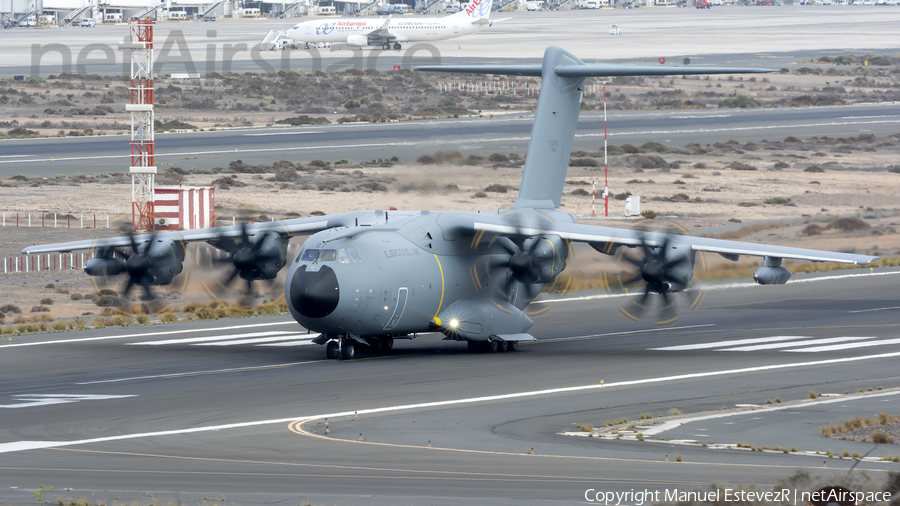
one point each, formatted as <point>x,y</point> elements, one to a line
<point>216,408</point>
<point>507,133</point>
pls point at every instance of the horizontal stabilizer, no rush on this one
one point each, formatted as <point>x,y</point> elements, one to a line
<point>563,77</point>
<point>592,70</point>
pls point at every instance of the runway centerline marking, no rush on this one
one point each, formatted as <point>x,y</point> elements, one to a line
<point>720,344</point>
<point>30,445</point>
<point>198,373</point>
<point>204,339</point>
<point>35,400</point>
<point>874,309</point>
<point>797,344</point>
<point>611,334</point>
<point>126,336</point>
<point>848,346</point>
<point>282,337</point>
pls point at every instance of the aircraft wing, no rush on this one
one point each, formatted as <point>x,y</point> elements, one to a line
<point>606,239</point>
<point>299,226</point>
<point>382,33</point>
<point>489,22</point>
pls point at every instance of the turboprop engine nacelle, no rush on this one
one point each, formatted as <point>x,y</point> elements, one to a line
<point>104,266</point>
<point>358,40</point>
<point>771,273</point>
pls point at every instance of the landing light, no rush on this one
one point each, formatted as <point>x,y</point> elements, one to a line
<point>454,323</point>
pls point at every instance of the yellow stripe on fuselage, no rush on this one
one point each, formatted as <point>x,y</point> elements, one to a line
<point>442,287</point>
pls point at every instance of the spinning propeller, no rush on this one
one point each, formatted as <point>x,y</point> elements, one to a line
<point>136,266</point>
<point>661,270</point>
<point>245,258</point>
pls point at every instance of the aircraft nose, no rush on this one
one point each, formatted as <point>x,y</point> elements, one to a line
<point>315,294</point>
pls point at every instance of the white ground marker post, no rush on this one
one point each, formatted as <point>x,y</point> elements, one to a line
<point>605,158</point>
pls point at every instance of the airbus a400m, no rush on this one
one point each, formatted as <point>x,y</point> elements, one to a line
<point>365,278</point>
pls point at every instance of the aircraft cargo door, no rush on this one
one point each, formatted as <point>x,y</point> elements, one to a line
<point>402,295</point>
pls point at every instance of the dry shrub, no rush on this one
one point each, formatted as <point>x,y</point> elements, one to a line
<point>168,318</point>
<point>122,321</point>
<point>583,162</point>
<point>99,323</point>
<point>740,166</point>
<point>647,162</point>
<point>880,437</point>
<point>812,229</point>
<point>629,149</point>
<point>848,225</point>
<point>205,313</point>
<point>814,168</point>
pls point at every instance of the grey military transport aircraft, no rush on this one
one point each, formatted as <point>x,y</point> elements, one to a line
<point>365,278</point>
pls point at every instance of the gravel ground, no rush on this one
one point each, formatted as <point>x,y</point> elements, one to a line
<point>866,433</point>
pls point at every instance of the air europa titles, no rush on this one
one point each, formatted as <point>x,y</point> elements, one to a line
<point>472,6</point>
<point>402,252</point>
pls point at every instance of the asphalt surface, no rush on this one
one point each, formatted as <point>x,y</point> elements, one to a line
<point>777,37</point>
<point>217,417</point>
<point>48,157</point>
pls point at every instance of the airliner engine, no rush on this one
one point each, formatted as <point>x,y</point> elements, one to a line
<point>358,40</point>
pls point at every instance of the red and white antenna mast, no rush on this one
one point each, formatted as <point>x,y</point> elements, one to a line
<point>143,164</point>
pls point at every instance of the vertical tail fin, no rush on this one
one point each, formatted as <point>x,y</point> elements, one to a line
<point>475,10</point>
<point>563,75</point>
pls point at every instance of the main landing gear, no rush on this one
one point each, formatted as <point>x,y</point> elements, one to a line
<point>387,46</point>
<point>347,348</point>
<point>493,346</point>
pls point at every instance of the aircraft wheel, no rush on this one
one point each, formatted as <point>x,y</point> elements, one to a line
<point>473,346</point>
<point>331,350</point>
<point>387,343</point>
<point>385,46</point>
<point>513,346</point>
<point>348,351</point>
<point>493,346</point>
<point>502,346</point>
<point>397,46</point>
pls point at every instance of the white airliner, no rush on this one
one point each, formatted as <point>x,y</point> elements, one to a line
<point>387,32</point>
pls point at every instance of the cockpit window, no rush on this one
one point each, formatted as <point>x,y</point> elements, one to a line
<point>353,256</point>
<point>343,257</point>
<point>327,255</point>
<point>310,255</point>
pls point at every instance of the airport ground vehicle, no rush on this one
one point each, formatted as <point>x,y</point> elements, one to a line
<point>702,4</point>
<point>88,23</point>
